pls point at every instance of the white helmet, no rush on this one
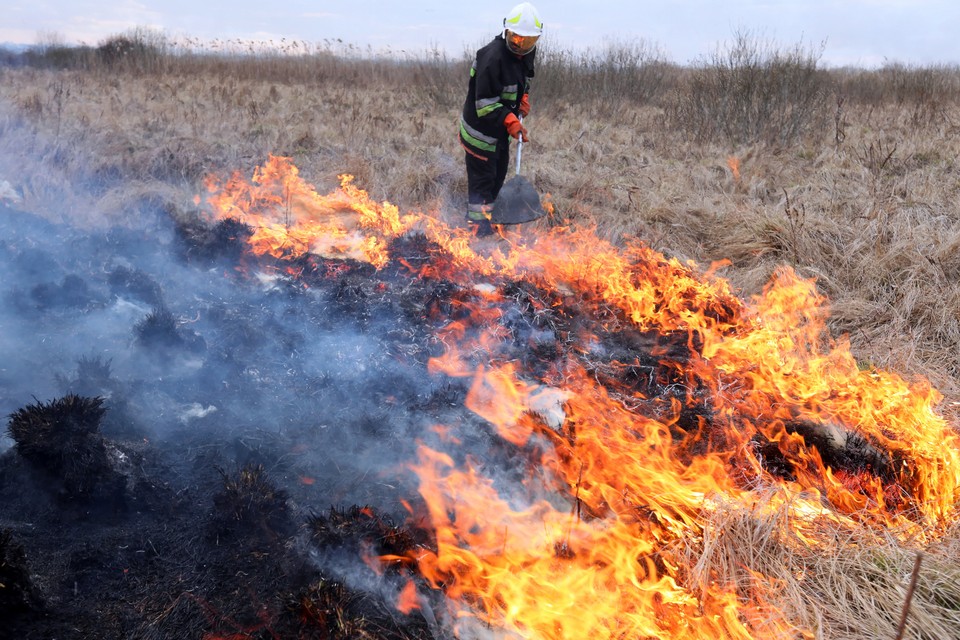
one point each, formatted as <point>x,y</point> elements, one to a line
<point>522,28</point>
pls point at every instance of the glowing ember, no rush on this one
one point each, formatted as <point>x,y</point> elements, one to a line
<point>587,547</point>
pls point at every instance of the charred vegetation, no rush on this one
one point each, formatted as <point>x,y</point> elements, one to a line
<point>361,531</point>
<point>72,292</point>
<point>224,240</point>
<point>63,438</point>
<point>251,505</point>
<point>160,333</point>
<point>136,283</point>
<point>18,595</point>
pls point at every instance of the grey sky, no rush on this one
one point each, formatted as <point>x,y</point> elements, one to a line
<point>857,32</point>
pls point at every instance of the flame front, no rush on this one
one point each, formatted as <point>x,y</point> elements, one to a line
<point>617,482</point>
<point>289,218</point>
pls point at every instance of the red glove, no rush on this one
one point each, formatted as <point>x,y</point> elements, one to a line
<point>514,128</point>
<point>525,105</point>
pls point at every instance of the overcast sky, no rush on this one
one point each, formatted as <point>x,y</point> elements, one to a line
<point>856,32</point>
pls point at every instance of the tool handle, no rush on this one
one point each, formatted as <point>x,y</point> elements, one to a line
<point>519,146</point>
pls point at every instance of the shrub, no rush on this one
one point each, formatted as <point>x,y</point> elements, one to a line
<point>925,93</point>
<point>753,92</point>
<point>140,49</point>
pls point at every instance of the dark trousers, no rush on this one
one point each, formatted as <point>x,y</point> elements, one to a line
<point>485,177</point>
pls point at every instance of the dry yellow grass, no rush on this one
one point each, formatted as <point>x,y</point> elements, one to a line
<point>851,588</point>
<point>875,218</point>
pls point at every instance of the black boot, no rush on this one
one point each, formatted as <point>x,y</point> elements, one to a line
<point>484,229</point>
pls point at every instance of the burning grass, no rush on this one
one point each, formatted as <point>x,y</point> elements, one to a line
<point>642,477</point>
<point>624,427</point>
<point>621,445</point>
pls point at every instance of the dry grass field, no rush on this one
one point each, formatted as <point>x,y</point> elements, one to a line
<point>850,177</point>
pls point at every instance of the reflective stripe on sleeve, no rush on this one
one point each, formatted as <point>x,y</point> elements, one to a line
<point>487,105</point>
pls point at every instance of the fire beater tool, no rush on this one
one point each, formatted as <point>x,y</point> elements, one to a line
<point>518,201</point>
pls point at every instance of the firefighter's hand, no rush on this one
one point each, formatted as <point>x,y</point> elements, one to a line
<point>514,128</point>
<point>525,105</point>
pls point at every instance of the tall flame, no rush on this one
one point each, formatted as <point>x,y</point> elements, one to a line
<point>587,545</point>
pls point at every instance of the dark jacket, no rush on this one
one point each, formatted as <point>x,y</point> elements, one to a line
<point>498,79</point>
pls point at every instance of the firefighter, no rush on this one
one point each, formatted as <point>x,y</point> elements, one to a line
<point>497,100</point>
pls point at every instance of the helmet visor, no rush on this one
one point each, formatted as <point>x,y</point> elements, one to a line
<point>520,45</point>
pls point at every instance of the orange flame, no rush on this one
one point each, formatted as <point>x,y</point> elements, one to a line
<point>289,218</point>
<point>586,547</point>
<point>734,163</point>
<point>408,600</point>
